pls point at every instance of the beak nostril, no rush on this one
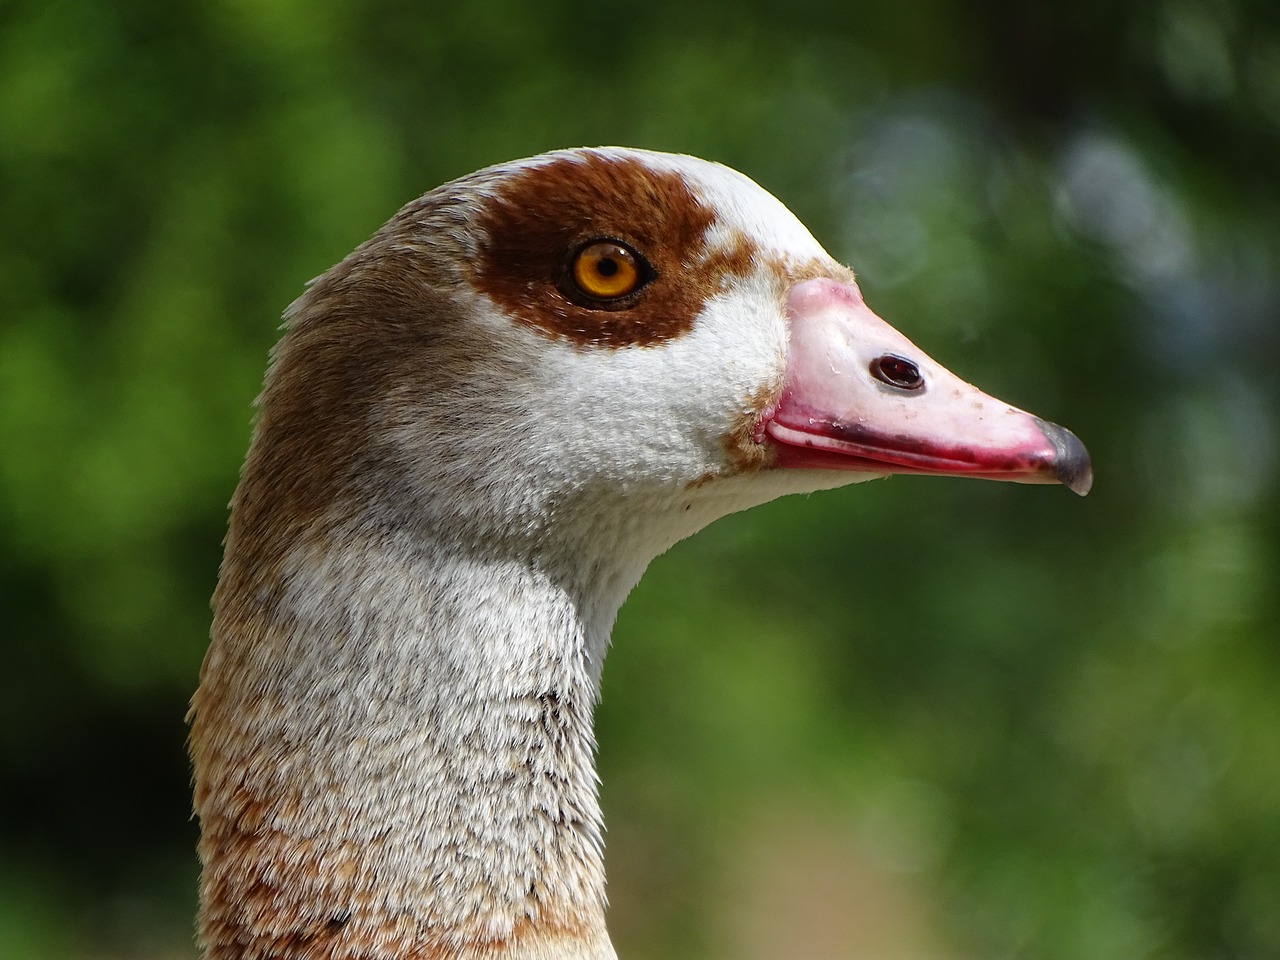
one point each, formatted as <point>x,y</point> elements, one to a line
<point>897,372</point>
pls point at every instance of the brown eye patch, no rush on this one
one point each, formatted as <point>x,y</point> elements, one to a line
<point>539,217</point>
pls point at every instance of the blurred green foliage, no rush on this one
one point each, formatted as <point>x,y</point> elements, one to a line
<point>907,719</point>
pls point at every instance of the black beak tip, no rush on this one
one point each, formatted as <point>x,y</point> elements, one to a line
<point>1071,464</point>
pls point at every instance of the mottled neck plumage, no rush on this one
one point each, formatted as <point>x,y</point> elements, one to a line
<point>395,760</point>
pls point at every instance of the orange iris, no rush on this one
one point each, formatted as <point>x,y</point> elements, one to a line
<point>606,270</point>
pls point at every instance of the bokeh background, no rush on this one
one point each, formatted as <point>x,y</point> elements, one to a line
<point>912,719</point>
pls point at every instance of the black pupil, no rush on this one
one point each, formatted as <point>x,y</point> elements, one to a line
<point>607,266</point>
<point>897,372</point>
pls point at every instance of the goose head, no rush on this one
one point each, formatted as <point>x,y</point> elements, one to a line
<point>613,341</point>
<point>475,433</point>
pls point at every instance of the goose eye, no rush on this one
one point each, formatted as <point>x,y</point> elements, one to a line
<point>607,270</point>
<point>897,372</point>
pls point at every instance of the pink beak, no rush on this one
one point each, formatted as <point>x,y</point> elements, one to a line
<point>860,396</point>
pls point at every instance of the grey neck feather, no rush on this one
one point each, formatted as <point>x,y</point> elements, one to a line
<point>418,717</point>
<point>394,726</point>
<point>447,704</point>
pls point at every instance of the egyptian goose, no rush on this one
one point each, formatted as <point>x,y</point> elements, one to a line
<point>476,432</point>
